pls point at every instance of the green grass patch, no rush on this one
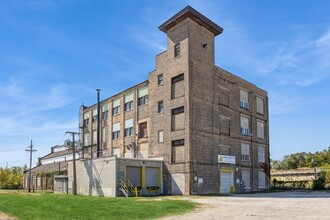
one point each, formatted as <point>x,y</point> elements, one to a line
<point>54,206</point>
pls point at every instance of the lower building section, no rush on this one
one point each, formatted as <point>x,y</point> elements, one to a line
<point>112,176</point>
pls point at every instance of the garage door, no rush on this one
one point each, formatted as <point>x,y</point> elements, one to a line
<point>152,176</point>
<point>226,181</point>
<point>134,175</point>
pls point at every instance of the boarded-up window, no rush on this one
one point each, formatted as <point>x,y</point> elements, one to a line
<point>94,137</point>
<point>224,125</point>
<point>178,119</point>
<point>224,96</point>
<point>86,139</point>
<point>177,151</point>
<point>246,178</point>
<point>177,89</point>
<point>261,179</point>
<point>261,154</point>
<point>161,136</point>
<point>245,151</point>
<point>260,129</point>
<point>260,105</point>
<point>105,134</point>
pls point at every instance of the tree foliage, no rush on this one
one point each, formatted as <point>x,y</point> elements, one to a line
<point>11,178</point>
<point>302,159</point>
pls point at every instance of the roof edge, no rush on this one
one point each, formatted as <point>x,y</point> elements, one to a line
<point>189,12</point>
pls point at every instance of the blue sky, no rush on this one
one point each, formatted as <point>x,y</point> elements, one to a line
<point>54,54</point>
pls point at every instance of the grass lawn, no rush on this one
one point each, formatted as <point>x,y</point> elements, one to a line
<point>54,206</point>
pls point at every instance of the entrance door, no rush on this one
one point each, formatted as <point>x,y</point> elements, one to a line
<point>226,181</point>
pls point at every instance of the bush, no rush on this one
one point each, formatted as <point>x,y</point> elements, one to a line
<point>319,183</point>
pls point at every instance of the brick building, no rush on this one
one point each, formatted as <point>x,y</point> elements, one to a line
<point>209,126</point>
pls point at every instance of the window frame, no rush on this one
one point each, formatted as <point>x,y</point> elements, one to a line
<point>245,157</point>
<point>143,100</point>
<point>128,104</point>
<point>177,50</point>
<point>158,139</point>
<point>145,131</point>
<point>160,79</point>
<point>160,105</point>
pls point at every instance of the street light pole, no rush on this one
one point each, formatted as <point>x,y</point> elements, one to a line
<point>30,149</point>
<point>98,124</point>
<point>74,185</point>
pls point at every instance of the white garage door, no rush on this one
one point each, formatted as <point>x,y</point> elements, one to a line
<point>226,181</point>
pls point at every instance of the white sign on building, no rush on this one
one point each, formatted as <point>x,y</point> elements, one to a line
<point>226,159</point>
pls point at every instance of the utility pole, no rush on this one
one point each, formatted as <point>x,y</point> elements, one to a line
<point>314,164</point>
<point>74,185</point>
<point>98,124</point>
<point>30,149</point>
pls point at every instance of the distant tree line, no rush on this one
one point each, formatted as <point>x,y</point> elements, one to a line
<point>302,159</point>
<point>12,178</point>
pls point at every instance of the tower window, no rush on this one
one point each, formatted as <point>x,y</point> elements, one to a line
<point>176,50</point>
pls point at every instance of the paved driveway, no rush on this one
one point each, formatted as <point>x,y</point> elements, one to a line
<point>282,205</point>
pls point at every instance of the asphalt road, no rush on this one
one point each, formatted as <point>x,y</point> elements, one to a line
<point>281,205</point>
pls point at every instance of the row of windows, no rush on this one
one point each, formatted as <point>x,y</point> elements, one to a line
<point>245,153</point>
<point>245,127</point>
<point>244,102</point>
<point>128,105</point>
<point>246,179</point>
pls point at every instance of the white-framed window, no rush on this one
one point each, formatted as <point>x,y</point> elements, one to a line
<point>261,154</point>
<point>160,106</point>
<point>261,179</point>
<point>116,107</point>
<point>128,102</point>
<point>246,178</point>
<point>128,127</point>
<point>105,110</point>
<point>260,105</point>
<point>160,79</point>
<point>116,131</point>
<point>245,126</point>
<point>245,152</point>
<point>260,129</point>
<point>94,115</point>
<point>160,136</point>
<point>244,99</point>
<point>143,96</point>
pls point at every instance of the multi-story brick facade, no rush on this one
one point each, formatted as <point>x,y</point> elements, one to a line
<point>209,126</point>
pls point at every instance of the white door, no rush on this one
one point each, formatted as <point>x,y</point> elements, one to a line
<point>226,181</point>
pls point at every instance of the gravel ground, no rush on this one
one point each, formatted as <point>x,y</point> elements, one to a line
<point>3,216</point>
<point>281,205</point>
